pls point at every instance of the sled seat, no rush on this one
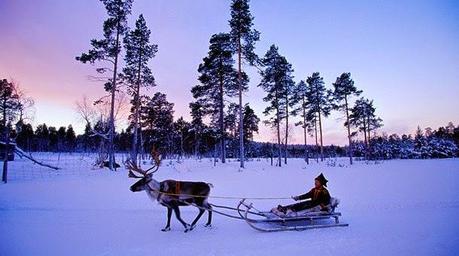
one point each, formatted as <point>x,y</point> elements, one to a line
<point>314,212</point>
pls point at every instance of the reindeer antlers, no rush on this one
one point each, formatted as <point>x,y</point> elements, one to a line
<point>133,168</point>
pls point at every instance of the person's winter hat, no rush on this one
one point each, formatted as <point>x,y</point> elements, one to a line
<point>322,180</point>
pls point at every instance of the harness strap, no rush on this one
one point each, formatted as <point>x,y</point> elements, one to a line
<point>177,187</point>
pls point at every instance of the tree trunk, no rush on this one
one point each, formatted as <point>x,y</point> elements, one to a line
<point>369,136</point>
<point>272,153</point>
<point>222,125</point>
<point>279,141</point>
<point>135,138</point>
<point>195,144</point>
<point>141,146</point>
<point>349,148</point>
<point>320,124</point>
<point>286,129</point>
<point>215,154</point>
<point>305,130</point>
<point>111,131</point>
<point>321,139</point>
<point>182,150</point>
<point>278,120</point>
<point>365,134</point>
<point>317,143</point>
<point>7,143</point>
<point>5,159</point>
<point>241,115</point>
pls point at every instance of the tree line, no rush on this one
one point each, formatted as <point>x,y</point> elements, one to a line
<point>182,142</point>
<point>180,138</point>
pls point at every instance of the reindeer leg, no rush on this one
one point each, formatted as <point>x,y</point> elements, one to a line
<point>177,215</point>
<point>168,225</point>
<point>209,219</point>
<point>201,212</point>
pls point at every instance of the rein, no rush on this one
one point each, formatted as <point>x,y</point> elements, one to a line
<point>219,197</point>
<point>203,208</point>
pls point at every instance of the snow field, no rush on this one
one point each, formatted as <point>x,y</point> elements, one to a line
<point>398,207</point>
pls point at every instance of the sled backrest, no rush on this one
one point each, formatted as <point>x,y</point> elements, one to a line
<point>334,202</point>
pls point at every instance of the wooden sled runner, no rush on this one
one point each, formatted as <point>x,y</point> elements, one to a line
<point>271,222</point>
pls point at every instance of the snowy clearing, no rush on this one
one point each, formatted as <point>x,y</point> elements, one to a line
<point>399,207</point>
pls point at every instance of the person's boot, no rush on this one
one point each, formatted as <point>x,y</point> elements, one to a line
<point>281,209</point>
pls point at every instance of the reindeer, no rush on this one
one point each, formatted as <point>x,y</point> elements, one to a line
<point>171,193</point>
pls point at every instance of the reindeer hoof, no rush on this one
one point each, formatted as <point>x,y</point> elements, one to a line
<point>166,229</point>
<point>188,227</point>
<point>208,225</point>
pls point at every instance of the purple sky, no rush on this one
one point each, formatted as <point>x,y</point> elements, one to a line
<point>402,54</point>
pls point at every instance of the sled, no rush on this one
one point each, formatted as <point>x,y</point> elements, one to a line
<point>274,222</point>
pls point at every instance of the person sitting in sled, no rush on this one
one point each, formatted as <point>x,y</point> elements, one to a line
<point>320,198</point>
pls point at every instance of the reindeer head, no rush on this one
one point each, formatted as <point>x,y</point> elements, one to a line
<point>145,176</point>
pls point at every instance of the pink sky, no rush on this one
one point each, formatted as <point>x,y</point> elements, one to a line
<point>407,64</point>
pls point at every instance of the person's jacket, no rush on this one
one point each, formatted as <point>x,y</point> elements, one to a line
<point>318,196</point>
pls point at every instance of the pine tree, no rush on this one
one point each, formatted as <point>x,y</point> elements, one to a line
<point>108,50</point>
<point>137,73</point>
<point>231,119</point>
<point>421,145</point>
<point>42,135</point>
<point>158,118</point>
<point>251,121</point>
<point>318,96</point>
<point>9,104</point>
<point>197,124</point>
<point>61,132</point>
<point>87,139</point>
<point>301,105</point>
<point>181,128</point>
<point>344,89</point>
<point>219,80</point>
<point>53,139</point>
<point>70,138</point>
<point>243,38</point>
<point>276,79</point>
<point>25,137</point>
<point>364,118</point>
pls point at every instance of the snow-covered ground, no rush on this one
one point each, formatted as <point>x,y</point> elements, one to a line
<point>399,207</point>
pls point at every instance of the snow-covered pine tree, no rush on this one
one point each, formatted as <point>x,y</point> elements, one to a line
<point>276,76</point>
<point>107,51</point>
<point>243,37</point>
<point>137,74</point>
<point>219,81</point>
<point>344,89</point>
<point>320,105</point>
